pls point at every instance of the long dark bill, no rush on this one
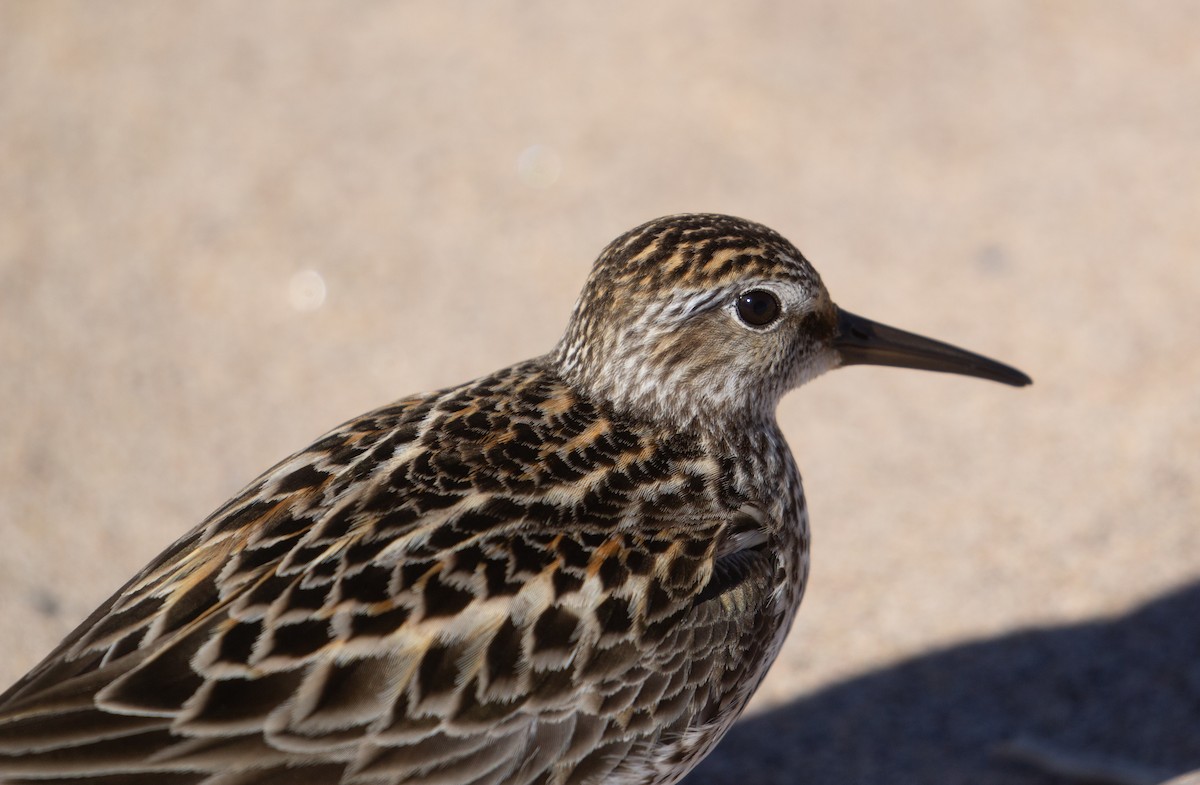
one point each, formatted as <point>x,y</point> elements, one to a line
<point>861,341</point>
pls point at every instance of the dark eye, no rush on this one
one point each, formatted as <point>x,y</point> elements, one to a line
<point>757,307</point>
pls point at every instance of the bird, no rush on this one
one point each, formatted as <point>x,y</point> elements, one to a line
<point>575,570</point>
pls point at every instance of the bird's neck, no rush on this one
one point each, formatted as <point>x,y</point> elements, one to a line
<point>716,416</point>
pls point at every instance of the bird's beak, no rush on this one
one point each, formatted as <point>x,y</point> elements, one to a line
<point>860,341</point>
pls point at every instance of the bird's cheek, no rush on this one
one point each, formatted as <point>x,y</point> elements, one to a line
<point>815,360</point>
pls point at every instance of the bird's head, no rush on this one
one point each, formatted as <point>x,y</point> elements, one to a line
<point>710,317</point>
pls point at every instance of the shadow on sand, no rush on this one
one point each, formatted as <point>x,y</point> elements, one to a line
<point>1125,689</point>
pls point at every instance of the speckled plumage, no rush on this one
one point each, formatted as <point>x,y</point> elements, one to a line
<point>575,570</point>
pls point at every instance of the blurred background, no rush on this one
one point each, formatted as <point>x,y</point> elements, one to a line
<point>227,227</point>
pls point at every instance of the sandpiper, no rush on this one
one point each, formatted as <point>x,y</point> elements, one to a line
<point>575,570</point>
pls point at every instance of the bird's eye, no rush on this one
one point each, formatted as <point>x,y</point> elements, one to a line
<point>757,307</point>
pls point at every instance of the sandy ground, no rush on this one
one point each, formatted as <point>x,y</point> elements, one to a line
<point>225,227</point>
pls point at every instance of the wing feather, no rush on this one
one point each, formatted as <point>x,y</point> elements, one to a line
<point>394,605</point>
